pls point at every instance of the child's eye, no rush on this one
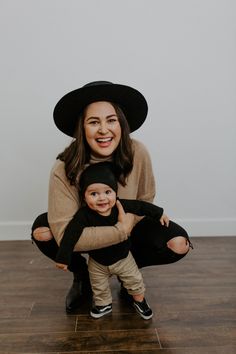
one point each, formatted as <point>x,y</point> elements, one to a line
<point>108,191</point>
<point>93,194</point>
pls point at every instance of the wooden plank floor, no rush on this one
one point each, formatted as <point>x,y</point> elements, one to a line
<point>194,302</point>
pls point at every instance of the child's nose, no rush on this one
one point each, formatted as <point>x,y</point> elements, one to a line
<point>102,196</point>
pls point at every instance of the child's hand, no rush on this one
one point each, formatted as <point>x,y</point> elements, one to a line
<point>62,266</point>
<point>164,220</point>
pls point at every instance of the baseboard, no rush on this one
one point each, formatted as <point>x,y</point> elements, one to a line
<point>195,227</point>
<point>209,227</point>
<point>18,230</point>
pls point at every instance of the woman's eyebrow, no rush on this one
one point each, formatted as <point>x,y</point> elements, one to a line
<point>111,115</point>
<point>91,117</point>
<point>94,117</point>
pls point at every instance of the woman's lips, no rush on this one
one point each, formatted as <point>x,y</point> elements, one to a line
<point>104,142</point>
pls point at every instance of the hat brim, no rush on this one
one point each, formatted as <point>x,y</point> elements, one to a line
<point>69,107</point>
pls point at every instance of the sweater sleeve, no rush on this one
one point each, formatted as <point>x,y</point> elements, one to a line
<point>142,208</point>
<point>63,204</point>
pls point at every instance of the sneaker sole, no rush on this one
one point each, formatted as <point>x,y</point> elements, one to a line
<point>98,315</point>
<point>142,315</point>
<point>145,317</point>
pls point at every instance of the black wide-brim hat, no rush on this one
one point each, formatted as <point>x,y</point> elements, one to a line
<point>131,101</point>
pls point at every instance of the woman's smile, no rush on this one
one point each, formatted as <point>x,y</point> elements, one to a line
<point>104,142</point>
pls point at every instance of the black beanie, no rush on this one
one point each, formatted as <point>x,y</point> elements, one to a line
<point>101,172</point>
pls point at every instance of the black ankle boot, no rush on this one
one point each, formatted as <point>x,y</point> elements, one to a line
<point>78,293</point>
<point>125,295</point>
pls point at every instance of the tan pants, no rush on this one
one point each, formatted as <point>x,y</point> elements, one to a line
<point>127,271</point>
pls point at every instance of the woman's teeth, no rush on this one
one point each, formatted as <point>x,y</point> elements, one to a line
<point>103,140</point>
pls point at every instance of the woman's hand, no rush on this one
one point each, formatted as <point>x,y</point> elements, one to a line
<point>62,266</point>
<point>164,220</point>
<point>126,219</point>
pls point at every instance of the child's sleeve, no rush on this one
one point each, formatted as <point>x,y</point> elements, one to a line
<point>142,208</point>
<point>71,235</point>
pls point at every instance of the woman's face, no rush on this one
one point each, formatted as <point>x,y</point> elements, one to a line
<point>102,128</point>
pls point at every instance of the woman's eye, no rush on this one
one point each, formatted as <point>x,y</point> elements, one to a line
<point>112,120</point>
<point>93,122</point>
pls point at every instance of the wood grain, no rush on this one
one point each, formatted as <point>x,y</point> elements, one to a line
<point>194,305</point>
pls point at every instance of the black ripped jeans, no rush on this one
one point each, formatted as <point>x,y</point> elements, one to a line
<point>148,244</point>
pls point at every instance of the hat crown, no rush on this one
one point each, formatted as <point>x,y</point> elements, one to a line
<point>98,83</point>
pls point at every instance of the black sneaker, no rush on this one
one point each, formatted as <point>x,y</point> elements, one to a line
<point>99,311</point>
<point>143,309</point>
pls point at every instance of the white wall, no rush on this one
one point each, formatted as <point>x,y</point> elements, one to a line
<point>180,54</point>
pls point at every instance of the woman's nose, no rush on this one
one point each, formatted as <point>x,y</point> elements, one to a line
<point>103,128</point>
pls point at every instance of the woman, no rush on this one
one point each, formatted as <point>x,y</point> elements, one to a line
<point>100,116</point>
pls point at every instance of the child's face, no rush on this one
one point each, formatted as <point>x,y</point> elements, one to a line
<point>100,197</point>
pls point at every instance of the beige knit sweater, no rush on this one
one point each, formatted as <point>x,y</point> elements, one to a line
<point>63,201</point>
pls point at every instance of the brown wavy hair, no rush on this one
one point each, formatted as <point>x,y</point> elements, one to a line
<point>77,154</point>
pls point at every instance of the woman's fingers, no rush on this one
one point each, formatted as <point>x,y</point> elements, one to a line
<point>126,219</point>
